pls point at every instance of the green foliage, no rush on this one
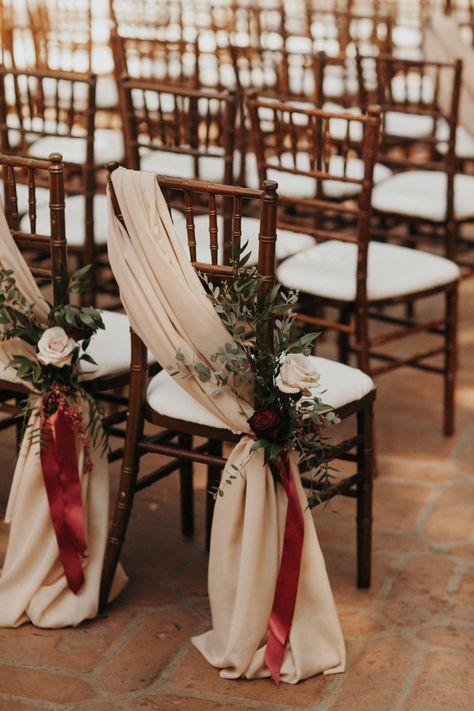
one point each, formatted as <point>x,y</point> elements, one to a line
<point>262,331</point>
<point>18,320</point>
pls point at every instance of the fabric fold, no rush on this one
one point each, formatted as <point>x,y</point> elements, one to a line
<point>33,585</point>
<point>169,310</point>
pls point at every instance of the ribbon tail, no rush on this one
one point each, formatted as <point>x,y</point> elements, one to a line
<point>288,576</point>
<point>67,455</point>
<point>62,489</point>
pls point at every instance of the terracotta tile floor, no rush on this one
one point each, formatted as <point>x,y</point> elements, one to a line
<point>410,638</point>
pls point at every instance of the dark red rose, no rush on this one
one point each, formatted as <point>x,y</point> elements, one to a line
<point>78,334</point>
<point>266,424</point>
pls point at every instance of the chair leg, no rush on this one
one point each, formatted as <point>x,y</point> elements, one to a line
<point>186,488</point>
<point>213,481</point>
<point>123,505</point>
<point>450,364</point>
<point>364,496</point>
<point>129,470</point>
<point>343,338</point>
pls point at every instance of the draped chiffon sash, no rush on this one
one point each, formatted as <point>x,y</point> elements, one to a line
<point>33,586</point>
<point>169,310</point>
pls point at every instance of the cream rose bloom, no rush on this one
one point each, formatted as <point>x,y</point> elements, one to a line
<point>55,347</point>
<point>296,374</point>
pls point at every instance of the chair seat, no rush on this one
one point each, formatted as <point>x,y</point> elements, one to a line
<point>422,194</point>
<point>464,141</point>
<point>181,165</point>
<point>339,385</point>
<point>110,348</point>
<point>22,196</point>
<point>288,242</point>
<point>106,93</point>
<point>108,146</point>
<point>398,123</point>
<point>303,186</point>
<point>75,220</point>
<point>329,270</point>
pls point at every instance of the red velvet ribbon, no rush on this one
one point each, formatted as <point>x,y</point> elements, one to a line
<point>288,576</point>
<point>63,487</point>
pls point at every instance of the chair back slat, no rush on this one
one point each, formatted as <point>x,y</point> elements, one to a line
<point>46,254</point>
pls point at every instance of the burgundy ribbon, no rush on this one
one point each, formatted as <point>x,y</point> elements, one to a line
<point>287,582</point>
<point>63,487</point>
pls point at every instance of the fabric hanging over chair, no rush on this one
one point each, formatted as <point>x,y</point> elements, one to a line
<point>169,310</point>
<point>33,586</point>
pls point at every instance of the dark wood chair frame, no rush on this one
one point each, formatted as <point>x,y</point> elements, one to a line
<point>48,261</point>
<point>178,132</point>
<point>446,234</point>
<point>354,318</point>
<point>81,178</point>
<point>181,451</point>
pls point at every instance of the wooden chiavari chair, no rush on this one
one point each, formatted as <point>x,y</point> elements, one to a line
<point>426,194</point>
<point>161,402</point>
<point>182,132</point>
<point>46,252</point>
<point>345,270</point>
<point>68,37</point>
<point>55,111</point>
<point>174,62</point>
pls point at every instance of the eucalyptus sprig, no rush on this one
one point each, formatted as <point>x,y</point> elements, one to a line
<point>247,363</point>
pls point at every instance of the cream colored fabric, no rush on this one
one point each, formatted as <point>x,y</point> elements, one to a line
<point>169,310</point>
<point>443,42</point>
<point>33,586</point>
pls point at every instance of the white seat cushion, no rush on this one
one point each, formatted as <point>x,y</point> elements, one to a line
<point>75,220</point>
<point>422,194</point>
<point>106,93</point>
<point>288,242</point>
<point>108,146</point>
<point>329,270</point>
<point>339,385</point>
<point>303,186</point>
<point>398,123</point>
<point>464,141</point>
<point>110,348</point>
<point>181,165</point>
<point>22,196</point>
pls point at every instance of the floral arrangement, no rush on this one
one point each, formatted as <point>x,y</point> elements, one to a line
<point>52,370</point>
<point>290,414</point>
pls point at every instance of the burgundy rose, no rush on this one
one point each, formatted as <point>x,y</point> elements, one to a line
<point>78,334</point>
<point>266,424</point>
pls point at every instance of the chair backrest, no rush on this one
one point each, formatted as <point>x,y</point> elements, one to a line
<point>173,62</point>
<point>417,88</point>
<point>46,254</point>
<point>193,192</point>
<point>63,34</point>
<point>147,19</point>
<point>277,72</point>
<point>300,149</point>
<point>44,103</point>
<point>192,122</point>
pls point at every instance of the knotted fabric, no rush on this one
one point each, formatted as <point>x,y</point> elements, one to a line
<point>169,310</point>
<point>33,583</point>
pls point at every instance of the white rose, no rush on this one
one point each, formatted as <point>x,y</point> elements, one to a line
<point>55,347</point>
<point>297,374</point>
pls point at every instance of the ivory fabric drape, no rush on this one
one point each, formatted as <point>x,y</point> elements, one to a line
<point>33,586</point>
<point>443,42</point>
<point>169,310</point>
